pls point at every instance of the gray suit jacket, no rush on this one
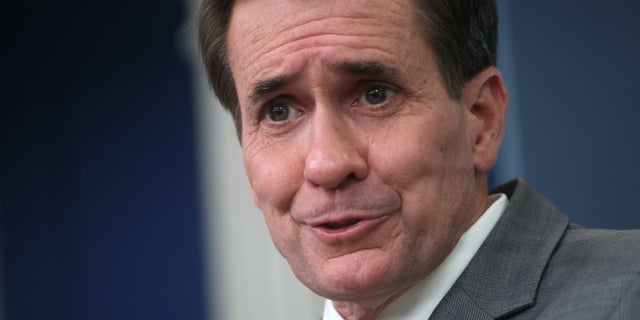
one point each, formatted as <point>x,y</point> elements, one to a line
<point>536,265</point>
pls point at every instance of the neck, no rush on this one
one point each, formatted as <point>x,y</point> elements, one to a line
<point>364,310</point>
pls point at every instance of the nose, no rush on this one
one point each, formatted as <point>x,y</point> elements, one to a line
<point>335,154</point>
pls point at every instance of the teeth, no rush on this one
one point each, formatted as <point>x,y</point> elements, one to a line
<point>340,225</point>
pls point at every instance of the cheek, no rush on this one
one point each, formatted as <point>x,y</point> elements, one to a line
<point>426,163</point>
<point>403,156</point>
<point>274,178</point>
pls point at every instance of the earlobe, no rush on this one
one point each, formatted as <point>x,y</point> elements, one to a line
<point>488,108</point>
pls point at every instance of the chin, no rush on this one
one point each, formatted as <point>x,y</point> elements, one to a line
<point>356,280</point>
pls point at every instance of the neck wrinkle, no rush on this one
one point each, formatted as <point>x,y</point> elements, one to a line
<point>359,311</point>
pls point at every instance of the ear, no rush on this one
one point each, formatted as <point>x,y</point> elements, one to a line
<point>486,97</point>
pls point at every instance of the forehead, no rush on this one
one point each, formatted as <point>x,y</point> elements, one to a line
<point>265,34</point>
<point>257,20</point>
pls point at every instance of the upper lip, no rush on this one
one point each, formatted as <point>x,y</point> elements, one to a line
<point>339,209</point>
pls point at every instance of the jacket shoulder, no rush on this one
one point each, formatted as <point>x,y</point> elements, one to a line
<point>593,274</point>
<point>592,249</point>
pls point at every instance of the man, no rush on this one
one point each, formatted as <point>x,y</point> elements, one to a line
<point>368,128</point>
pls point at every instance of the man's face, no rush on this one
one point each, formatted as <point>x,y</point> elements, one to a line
<point>360,161</point>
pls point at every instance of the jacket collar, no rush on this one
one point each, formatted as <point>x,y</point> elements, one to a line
<point>503,276</point>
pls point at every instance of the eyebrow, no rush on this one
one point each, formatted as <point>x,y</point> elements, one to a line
<point>368,68</point>
<point>266,87</point>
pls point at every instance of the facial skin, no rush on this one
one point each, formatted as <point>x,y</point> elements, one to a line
<point>367,172</point>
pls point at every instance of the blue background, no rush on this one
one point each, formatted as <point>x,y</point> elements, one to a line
<point>575,91</point>
<point>100,215</point>
<point>99,207</point>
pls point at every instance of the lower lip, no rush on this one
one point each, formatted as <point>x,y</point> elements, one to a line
<point>350,233</point>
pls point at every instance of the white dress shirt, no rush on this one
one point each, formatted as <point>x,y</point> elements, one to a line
<point>419,302</point>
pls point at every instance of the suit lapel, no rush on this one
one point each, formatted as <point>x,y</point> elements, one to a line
<point>457,304</point>
<point>503,276</point>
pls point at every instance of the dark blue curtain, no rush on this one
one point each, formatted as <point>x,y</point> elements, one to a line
<point>99,213</point>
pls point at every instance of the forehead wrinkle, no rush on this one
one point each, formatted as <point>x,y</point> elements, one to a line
<point>309,29</point>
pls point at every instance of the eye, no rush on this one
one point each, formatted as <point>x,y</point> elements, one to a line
<point>376,95</point>
<point>280,112</point>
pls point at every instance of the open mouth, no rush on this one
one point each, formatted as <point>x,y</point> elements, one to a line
<point>340,224</point>
<point>336,231</point>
